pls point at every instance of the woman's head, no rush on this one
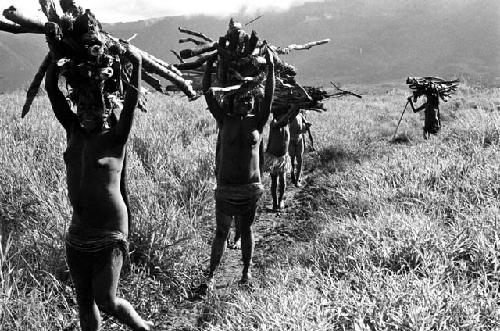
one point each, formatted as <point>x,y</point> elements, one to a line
<point>244,104</point>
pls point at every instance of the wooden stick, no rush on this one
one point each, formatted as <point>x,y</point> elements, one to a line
<point>194,41</point>
<point>399,122</point>
<point>70,7</point>
<point>152,81</point>
<point>196,34</point>
<point>153,67</point>
<point>49,9</point>
<point>308,45</point>
<point>35,84</point>
<point>189,53</point>
<point>195,64</point>
<point>15,28</point>
<point>15,16</point>
<point>255,19</point>
<point>343,92</point>
<point>181,60</point>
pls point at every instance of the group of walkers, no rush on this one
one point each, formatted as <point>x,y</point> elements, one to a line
<point>97,238</point>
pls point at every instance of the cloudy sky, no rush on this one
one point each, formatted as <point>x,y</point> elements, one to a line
<point>132,10</point>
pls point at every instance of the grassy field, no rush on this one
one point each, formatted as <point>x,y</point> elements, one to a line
<point>389,235</point>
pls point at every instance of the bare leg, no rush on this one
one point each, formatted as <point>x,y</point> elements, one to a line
<point>104,284</point>
<point>237,232</point>
<point>291,152</point>
<point>247,244</point>
<point>274,194</point>
<point>300,153</point>
<point>219,244</point>
<point>282,187</point>
<point>90,320</point>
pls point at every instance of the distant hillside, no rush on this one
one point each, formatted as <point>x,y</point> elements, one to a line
<point>374,41</point>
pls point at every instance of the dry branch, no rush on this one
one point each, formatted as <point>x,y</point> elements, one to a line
<point>181,60</point>
<point>15,28</point>
<point>12,14</point>
<point>196,34</point>
<point>432,85</point>
<point>189,53</point>
<point>35,84</point>
<point>152,81</point>
<point>49,9</point>
<point>195,64</point>
<point>343,92</point>
<point>64,45</point>
<point>240,66</point>
<point>194,41</point>
<point>308,45</point>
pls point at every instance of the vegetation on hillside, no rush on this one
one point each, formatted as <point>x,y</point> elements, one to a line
<point>389,236</point>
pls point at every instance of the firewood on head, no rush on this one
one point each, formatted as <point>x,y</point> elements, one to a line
<point>70,7</point>
<point>49,9</point>
<point>432,85</point>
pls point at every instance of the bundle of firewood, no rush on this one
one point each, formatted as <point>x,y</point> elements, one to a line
<point>86,53</point>
<point>240,65</point>
<point>432,85</point>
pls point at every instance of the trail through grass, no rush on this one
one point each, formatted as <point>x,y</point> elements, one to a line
<point>384,236</point>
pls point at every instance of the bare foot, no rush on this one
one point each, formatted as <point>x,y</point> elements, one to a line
<point>149,325</point>
<point>281,205</point>
<point>245,278</point>
<point>204,290</point>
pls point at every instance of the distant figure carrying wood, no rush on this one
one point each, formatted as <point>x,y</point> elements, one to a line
<point>433,88</point>
<point>96,242</point>
<point>239,187</point>
<point>432,121</point>
<point>298,128</point>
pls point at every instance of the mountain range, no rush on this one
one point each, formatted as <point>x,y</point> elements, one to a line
<point>371,41</point>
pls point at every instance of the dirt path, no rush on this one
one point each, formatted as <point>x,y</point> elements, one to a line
<point>272,230</point>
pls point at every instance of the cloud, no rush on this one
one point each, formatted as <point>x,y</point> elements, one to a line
<point>132,10</point>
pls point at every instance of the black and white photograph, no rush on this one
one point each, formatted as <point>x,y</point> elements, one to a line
<point>250,165</point>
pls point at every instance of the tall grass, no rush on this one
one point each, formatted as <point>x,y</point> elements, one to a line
<point>390,236</point>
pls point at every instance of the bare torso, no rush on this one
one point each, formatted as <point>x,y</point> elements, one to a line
<point>239,150</point>
<point>279,139</point>
<point>94,163</point>
<point>296,128</point>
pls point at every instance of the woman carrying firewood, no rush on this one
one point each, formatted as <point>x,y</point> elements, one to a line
<point>432,121</point>
<point>277,157</point>
<point>239,187</point>
<point>298,128</point>
<point>96,242</point>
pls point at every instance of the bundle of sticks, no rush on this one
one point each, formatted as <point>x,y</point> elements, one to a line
<point>93,53</point>
<point>318,95</point>
<point>240,64</point>
<point>432,85</point>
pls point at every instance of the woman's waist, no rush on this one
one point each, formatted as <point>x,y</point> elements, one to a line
<point>100,222</point>
<point>232,177</point>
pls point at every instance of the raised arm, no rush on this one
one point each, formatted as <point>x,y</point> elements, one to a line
<point>60,105</point>
<point>416,110</point>
<point>131,97</point>
<point>285,119</point>
<point>213,105</point>
<point>269,89</point>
